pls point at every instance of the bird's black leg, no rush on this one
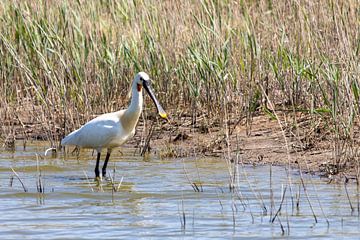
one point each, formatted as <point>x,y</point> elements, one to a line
<point>97,172</point>
<point>105,164</point>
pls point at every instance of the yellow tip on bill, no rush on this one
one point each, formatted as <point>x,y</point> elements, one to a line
<point>163,115</point>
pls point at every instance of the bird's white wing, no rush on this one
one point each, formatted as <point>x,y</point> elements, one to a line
<point>97,133</point>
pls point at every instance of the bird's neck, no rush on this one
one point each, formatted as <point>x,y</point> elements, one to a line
<point>132,113</point>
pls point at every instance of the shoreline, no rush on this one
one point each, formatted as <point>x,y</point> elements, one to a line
<point>264,144</point>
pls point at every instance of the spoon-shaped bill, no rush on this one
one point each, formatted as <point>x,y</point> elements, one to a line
<point>161,111</point>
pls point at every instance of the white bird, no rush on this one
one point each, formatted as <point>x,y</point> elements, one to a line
<point>111,130</point>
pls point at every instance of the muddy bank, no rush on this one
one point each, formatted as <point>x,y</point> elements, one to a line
<point>306,143</point>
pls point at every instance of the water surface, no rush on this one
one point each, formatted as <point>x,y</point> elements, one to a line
<point>153,197</point>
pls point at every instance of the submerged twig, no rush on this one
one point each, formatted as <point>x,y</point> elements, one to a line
<point>280,206</point>
<point>39,182</point>
<point>193,184</point>
<point>315,190</point>
<point>272,202</point>
<point>281,227</point>
<point>257,195</point>
<point>233,215</point>
<point>198,173</point>
<point>119,185</point>
<point>307,195</point>
<point>347,194</point>
<point>298,199</point>
<point>147,141</point>
<point>88,181</point>
<point>182,216</point>
<point>358,195</point>
<point>50,149</point>
<point>17,176</point>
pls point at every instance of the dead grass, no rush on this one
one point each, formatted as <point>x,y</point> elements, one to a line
<point>63,62</point>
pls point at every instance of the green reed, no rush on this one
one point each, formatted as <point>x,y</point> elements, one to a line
<point>66,61</point>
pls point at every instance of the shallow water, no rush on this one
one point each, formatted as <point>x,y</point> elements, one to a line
<point>155,196</point>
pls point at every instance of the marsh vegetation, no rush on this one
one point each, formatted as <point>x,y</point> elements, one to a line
<point>274,82</point>
<point>217,65</point>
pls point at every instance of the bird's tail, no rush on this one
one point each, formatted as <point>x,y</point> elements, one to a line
<point>69,139</point>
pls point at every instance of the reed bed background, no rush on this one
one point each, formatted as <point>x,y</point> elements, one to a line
<point>63,62</point>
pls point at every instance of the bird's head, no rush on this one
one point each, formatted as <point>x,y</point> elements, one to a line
<point>140,80</point>
<point>143,80</point>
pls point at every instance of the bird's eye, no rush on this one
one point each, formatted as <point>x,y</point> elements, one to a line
<point>141,79</point>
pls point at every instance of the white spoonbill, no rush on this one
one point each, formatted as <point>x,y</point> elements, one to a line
<point>111,130</point>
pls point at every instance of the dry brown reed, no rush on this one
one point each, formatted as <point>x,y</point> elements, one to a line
<point>65,61</point>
